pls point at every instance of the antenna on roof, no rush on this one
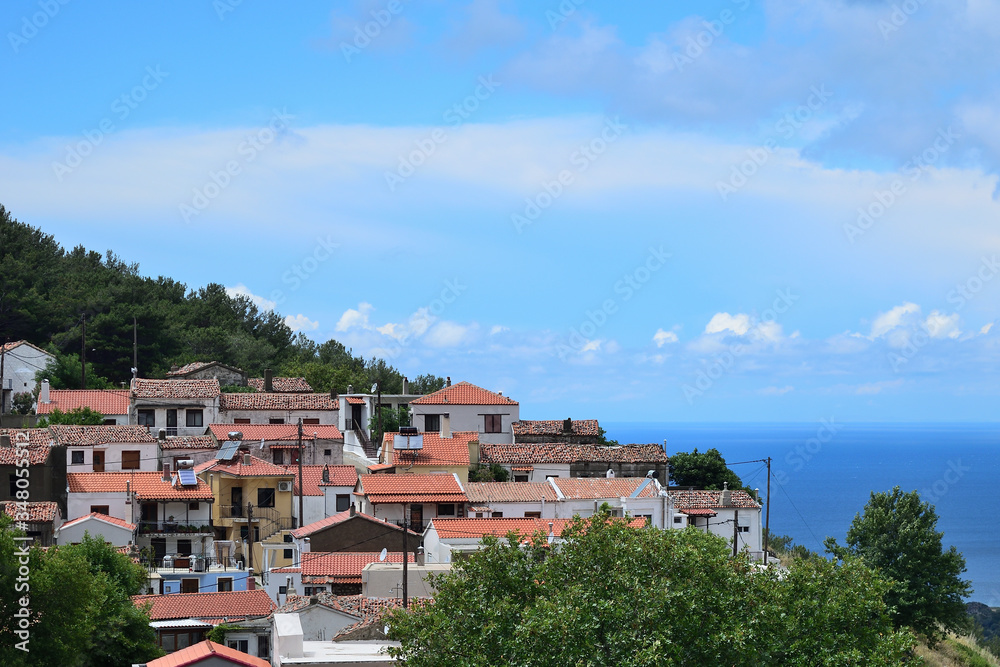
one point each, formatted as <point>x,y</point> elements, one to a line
<point>383,554</point>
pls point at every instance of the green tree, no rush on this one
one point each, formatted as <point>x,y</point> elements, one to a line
<point>617,595</point>
<point>704,470</point>
<point>22,402</point>
<point>392,419</point>
<point>491,473</point>
<point>897,534</point>
<point>82,416</point>
<point>426,384</point>
<point>64,373</point>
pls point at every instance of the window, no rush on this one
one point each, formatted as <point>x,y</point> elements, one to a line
<point>446,509</point>
<point>193,506</point>
<point>552,476</point>
<point>76,457</point>
<point>100,509</point>
<point>239,644</point>
<point>147,418</point>
<point>343,501</point>
<point>498,515</point>
<point>327,452</point>
<point>225,584</point>
<point>311,420</point>
<point>520,478</point>
<point>130,460</point>
<point>532,515</point>
<point>265,497</point>
<point>241,420</point>
<point>276,420</point>
<point>492,423</point>
<point>263,646</point>
<point>743,529</point>
<point>189,585</point>
<point>678,519</point>
<point>432,422</point>
<point>194,418</point>
<point>184,547</point>
<point>110,422</point>
<point>287,552</point>
<point>282,590</point>
<point>278,456</point>
<point>167,642</point>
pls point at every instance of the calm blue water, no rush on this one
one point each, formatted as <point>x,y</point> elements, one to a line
<point>822,476</point>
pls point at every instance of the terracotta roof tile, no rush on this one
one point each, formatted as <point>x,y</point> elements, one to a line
<point>38,446</point>
<point>207,605</point>
<point>697,499</point>
<point>236,468</point>
<point>437,451</point>
<point>195,654</point>
<point>267,401</point>
<point>340,475</point>
<point>283,385</point>
<point>145,485</point>
<point>411,488</point>
<point>463,393</point>
<point>475,529</point>
<point>355,400</point>
<point>38,512</point>
<point>510,492</point>
<point>528,453</point>
<point>189,368</point>
<point>275,432</point>
<point>342,567</point>
<point>554,427</point>
<point>100,517</point>
<point>355,605</point>
<point>105,401</point>
<point>603,487</point>
<point>17,343</point>
<point>85,436</point>
<point>174,389</point>
<point>189,442</point>
<point>340,517</point>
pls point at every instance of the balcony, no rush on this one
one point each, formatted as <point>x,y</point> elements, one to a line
<point>192,527</point>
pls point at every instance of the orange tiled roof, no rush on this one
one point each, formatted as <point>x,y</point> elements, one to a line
<point>437,451</point>
<point>17,343</point>
<point>475,529</point>
<point>340,475</point>
<point>236,468</point>
<point>275,401</point>
<point>355,605</point>
<point>207,605</point>
<point>696,499</point>
<point>554,427</point>
<point>190,368</point>
<point>174,389</point>
<point>38,512</point>
<point>189,442</point>
<point>196,653</point>
<point>411,488</point>
<point>145,485</point>
<point>283,385</point>
<point>603,487</point>
<point>528,453</point>
<point>105,401</point>
<point>86,436</point>
<point>38,445</point>
<point>342,567</point>
<point>340,517</point>
<point>274,432</point>
<point>463,393</point>
<point>101,517</point>
<point>509,492</point>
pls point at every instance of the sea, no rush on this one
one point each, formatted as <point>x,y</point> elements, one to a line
<point>823,473</point>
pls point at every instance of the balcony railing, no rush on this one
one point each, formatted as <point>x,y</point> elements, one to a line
<point>191,526</point>
<point>268,519</point>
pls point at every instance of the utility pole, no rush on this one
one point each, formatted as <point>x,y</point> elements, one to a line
<point>250,535</point>
<point>301,481</point>
<point>3,352</point>
<point>767,511</point>
<point>736,530</point>
<point>83,354</point>
<point>406,558</point>
<point>135,348</point>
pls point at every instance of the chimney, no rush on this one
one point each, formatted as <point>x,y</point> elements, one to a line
<point>725,498</point>
<point>166,472</point>
<point>447,381</point>
<point>350,389</point>
<point>268,379</point>
<point>43,394</point>
<point>306,545</point>
<point>326,473</point>
<point>420,556</point>
<point>289,587</point>
<point>5,440</point>
<point>247,460</point>
<point>251,583</point>
<point>406,385</point>
<point>353,511</point>
<point>162,435</point>
<point>445,426</point>
<point>567,425</point>
<point>175,367</point>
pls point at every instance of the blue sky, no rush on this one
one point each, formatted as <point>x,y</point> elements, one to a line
<point>761,211</point>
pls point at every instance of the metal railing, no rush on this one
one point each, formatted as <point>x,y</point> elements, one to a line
<point>193,526</point>
<point>268,519</point>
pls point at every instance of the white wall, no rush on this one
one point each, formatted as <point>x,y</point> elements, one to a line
<point>110,533</point>
<point>148,456</point>
<point>79,504</point>
<point>470,418</point>
<point>209,408</point>
<point>265,416</point>
<point>19,368</point>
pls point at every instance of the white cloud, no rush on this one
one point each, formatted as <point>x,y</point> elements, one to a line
<point>876,387</point>
<point>301,323</point>
<point>770,332</point>
<point>986,328</point>
<point>939,325</point>
<point>903,315</point>
<point>592,346</point>
<point>662,337</point>
<point>497,329</point>
<point>448,334</point>
<point>242,290</point>
<point>720,322</point>
<point>355,318</point>
<point>776,391</point>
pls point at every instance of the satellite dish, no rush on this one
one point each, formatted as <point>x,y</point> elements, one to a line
<point>382,555</point>
<point>375,387</point>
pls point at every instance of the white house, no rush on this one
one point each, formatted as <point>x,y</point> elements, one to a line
<point>21,361</point>
<point>112,403</point>
<point>536,462</point>
<point>728,514</point>
<point>421,497</point>
<point>181,407</point>
<point>107,448</point>
<point>116,532</point>
<point>467,407</point>
<point>277,408</point>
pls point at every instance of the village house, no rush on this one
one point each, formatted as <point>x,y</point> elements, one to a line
<point>41,519</point>
<point>420,497</point>
<point>274,408</point>
<point>45,480</point>
<point>113,404</point>
<point>114,531</point>
<point>466,407</point>
<point>351,530</point>
<point>181,407</point>
<point>208,654</point>
<point>209,370</point>
<point>730,514</point>
<point>321,443</point>
<point>326,616</point>
<point>196,448</point>
<point>337,572</point>
<point>428,453</point>
<point>359,409</point>
<point>280,385</point>
<point>327,490</point>
<point>290,648</point>
<point>536,462</point>
<point>107,448</point>
<point>21,361</point>
<point>567,431</point>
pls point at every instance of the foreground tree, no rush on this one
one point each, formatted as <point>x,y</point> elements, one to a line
<point>897,534</point>
<point>702,470</point>
<point>617,595</point>
<point>82,416</point>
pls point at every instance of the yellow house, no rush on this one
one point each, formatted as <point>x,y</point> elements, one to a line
<point>437,455</point>
<point>251,494</point>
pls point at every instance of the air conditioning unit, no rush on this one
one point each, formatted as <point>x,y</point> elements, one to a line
<point>284,486</point>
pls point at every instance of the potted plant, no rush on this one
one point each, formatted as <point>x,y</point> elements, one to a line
<point>170,525</point>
